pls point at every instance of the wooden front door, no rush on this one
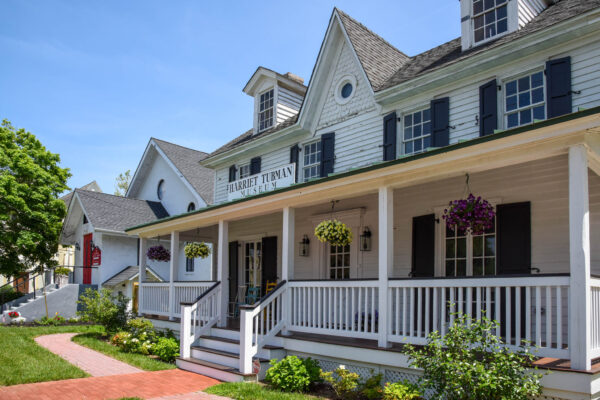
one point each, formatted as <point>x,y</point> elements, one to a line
<point>87,259</point>
<point>21,284</point>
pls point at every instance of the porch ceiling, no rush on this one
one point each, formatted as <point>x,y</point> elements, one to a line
<point>541,140</point>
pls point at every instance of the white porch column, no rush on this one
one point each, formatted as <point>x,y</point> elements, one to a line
<point>287,259</point>
<point>173,273</point>
<point>386,257</point>
<point>142,273</point>
<point>223,271</point>
<point>579,246</point>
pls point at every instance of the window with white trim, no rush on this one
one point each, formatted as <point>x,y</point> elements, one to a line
<point>339,262</point>
<point>244,171</point>
<point>417,132</point>
<point>525,99</point>
<point>265,111</point>
<point>312,161</point>
<point>470,255</point>
<point>490,18</point>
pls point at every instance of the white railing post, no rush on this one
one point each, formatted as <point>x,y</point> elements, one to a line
<point>579,246</point>
<point>142,273</point>
<point>223,271</point>
<point>246,341</point>
<point>185,335</point>
<point>173,272</point>
<point>386,259</point>
<point>287,261</point>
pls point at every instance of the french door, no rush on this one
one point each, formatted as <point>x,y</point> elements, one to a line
<point>253,263</point>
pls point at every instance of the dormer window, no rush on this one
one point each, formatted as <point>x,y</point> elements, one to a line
<point>265,112</point>
<point>490,18</point>
<point>244,171</point>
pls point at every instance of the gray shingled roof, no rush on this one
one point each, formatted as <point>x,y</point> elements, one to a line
<point>451,52</point>
<point>187,161</point>
<point>130,272</point>
<point>106,211</point>
<point>90,186</point>
<point>379,59</point>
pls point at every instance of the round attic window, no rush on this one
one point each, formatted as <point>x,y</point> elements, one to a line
<point>160,190</point>
<point>345,89</point>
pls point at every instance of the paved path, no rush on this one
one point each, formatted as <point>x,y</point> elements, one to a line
<point>173,384</point>
<point>92,362</point>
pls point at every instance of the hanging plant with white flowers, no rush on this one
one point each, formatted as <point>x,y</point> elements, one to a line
<point>334,232</point>
<point>471,215</point>
<point>158,253</point>
<point>197,250</point>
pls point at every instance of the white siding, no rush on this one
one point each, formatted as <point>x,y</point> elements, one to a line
<point>118,253</point>
<point>585,76</point>
<point>288,104</point>
<point>528,9</point>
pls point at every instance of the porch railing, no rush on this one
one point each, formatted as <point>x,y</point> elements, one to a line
<point>154,298</point>
<point>595,316</point>
<point>198,316</point>
<point>532,309</point>
<point>186,292</point>
<point>259,322</point>
<point>343,308</point>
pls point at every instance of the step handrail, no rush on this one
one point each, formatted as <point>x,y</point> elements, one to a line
<point>260,322</point>
<point>198,317</point>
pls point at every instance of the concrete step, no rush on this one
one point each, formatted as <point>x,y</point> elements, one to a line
<point>267,352</point>
<point>214,370</point>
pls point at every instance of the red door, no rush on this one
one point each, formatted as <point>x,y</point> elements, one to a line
<point>87,259</point>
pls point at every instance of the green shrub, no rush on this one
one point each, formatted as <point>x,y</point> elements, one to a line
<point>343,382</point>
<point>64,271</point>
<point>167,349</point>
<point>104,308</point>
<point>293,374</point>
<point>141,329</point>
<point>54,321</point>
<point>371,388</point>
<point>402,391</point>
<point>471,363</point>
<point>8,293</point>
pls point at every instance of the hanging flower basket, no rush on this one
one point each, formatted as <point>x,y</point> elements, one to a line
<point>334,232</point>
<point>158,253</point>
<point>197,250</point>
<point>473,214</point>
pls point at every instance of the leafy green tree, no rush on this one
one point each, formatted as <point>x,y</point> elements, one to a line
<point>122,183</point>
<point>30,212</point>
<point>471,363</point>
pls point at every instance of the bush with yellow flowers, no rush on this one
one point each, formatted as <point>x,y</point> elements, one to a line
<point>334,232</point>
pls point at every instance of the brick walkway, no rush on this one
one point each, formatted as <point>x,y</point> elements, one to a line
<point>173,384</point>
<point>92,362</point>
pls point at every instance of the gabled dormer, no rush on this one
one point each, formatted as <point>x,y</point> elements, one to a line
<point>277,97</point>
<point>485,20</point>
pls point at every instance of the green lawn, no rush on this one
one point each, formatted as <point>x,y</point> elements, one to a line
<point>23,361</point>
<point>254,391</point>
<point>94,342</point>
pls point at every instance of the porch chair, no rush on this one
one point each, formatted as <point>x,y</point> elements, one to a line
<point>239,300</point>
<point>270,286</point>
<point>253,295</point>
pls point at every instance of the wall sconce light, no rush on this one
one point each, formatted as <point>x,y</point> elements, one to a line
<point>304,246</point>
<point>77,247</point>
<point>365,240</point>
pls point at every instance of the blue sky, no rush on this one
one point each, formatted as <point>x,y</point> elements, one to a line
<point>94,80</point>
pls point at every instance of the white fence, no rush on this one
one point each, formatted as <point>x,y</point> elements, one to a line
<point>154,296</point>
<point>188,292</point>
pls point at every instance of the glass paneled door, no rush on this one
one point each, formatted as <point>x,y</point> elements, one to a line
<point>253,264</point>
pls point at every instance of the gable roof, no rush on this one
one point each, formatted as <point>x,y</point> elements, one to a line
<point>93,186</point>
<point>379,59</point>
<point>115,213</point>
<point>451,52</point>
<point>187,161</point>
<point>130,273</point>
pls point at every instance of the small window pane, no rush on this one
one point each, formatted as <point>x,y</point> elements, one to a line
<point>490,266</point>
<point>477,246</point>
<point>450,248</point>
<point>477,6</point>
<point>539,113</point>
<point>408,120</point>
<point>525,116</point>
<point>501,12</point>
<point>511,103</point>
<point>478,267</point>
<point>490,18</point>
<point>417,131</point>
<point>487,4</point>
<point>511,88</point>
<point>417,145</point>
<point>450,268</point>
<point>513,120</point>
<point>426,115</point>
<point>524,100</point>
<point>479,35</point>
<point>417,118</point>
<point>461,267</point>
<point>537,79</point>
<point>502,25</point>
<point>426,142</point>
<point>523,84</point>
<point>537,95</point>
<point>490,31</point>
<point>427,128</point>
<point>461,247</point>
<point>490,245</point>
<point>408,148</point>
<point>408,133</point>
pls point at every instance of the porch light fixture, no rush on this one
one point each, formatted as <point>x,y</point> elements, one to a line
<point>77,247</point>
<point>304,246</point>
<point>365,240</point>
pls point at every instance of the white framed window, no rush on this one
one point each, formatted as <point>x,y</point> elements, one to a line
<point>253,263</point>
<point>490,18</point>
<point>339,262</point>
<point>416,136</point>
<point>265,110</point>
<point>345,89</point>
<point>525,99</point>
<point>311,167</point>
<point>244,171</point>
<point>160,189</point>
<point>470,255</point>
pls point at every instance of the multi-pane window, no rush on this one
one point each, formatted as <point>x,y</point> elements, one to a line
<point>525,100</point>
<point>468,254</point>
<point>244,171</point>
<point>339,262</point>
<point>189,264</point>
<point>312,161</point>
<point>252,264</point>
<point>417,132</point>
<point>265,112</point>
<point>490,18</point>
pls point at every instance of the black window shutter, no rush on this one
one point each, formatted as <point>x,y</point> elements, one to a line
<point>255,166</point>
<point>389,137</point>
<point>440,122</point>
<point>513,229</point>
<point>423,246</point>
<point>558,93</point>
<point>232,173</point>
<point>294,158</point>
<point>327,153</point>
<point>488,108</point>
<point>233,271</point>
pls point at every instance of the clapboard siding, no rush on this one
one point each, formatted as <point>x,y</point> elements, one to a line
<point>585,76</point>
<point>288,104</point>
<point>529,9</point>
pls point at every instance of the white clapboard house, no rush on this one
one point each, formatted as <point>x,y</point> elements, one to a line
<point>168,181</point>
<point>389,140</point>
